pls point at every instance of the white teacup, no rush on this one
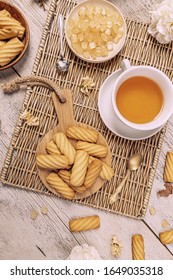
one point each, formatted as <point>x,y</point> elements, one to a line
<point>159,78</point>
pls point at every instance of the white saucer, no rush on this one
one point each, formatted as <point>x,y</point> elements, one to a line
<point>109,117</point>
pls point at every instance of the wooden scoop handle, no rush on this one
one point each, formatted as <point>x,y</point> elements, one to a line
<point>64,111</point>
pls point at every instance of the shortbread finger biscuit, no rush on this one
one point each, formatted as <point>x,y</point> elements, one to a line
<point>107,172</point>
<point>80,189</point>
<point>138,252</point>
<point>92,149</point>
<point>10,50</point>
<point>11,23</point>
<point>52,162</point>
<point>168,172</point>
<point>52,149</point>
<point>86,223</point>
<point>5,13</point>
<point>79,169</point>
<point>65,176</point>
<point>92,173</point>
<point>65,146</point>
<point>8,33</point>
<point>2,43</point>
<point>81,133</point>
<point>57,183</point>
<point>166,237</point>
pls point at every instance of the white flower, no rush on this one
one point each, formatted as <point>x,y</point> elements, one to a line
<point>161,26</point>
<point>84,252</point>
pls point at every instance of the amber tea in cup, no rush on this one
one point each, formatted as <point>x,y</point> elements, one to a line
<point>139,99</point>
<point>142,97</point>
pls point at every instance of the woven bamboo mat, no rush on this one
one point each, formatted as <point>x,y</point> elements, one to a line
<point>19,168</point>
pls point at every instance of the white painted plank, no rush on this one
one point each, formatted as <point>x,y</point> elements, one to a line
<point>10,106</point>
<point>163,205</point>
<point>20,234</point>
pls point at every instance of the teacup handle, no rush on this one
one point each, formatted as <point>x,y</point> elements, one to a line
<point>125,65</point>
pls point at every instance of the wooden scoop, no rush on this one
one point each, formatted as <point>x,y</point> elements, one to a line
<point>65,116</point>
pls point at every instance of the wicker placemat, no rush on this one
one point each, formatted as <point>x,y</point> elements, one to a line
<point>140,48</point>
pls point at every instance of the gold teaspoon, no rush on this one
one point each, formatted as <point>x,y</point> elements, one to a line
<point>133,164</point>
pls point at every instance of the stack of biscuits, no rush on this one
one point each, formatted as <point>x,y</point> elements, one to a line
<point>75,169</point>
<point>11,34</point>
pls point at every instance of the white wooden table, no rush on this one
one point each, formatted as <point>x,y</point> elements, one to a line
<point>48,237</point>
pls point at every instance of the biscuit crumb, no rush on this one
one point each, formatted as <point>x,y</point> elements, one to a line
<point>152,211</point>
<point>44,210</point>
<point>116,246</point>
<point>165,224</point>
<point>34,214</point>
<point>29,118</point>
<point>86,85</point>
